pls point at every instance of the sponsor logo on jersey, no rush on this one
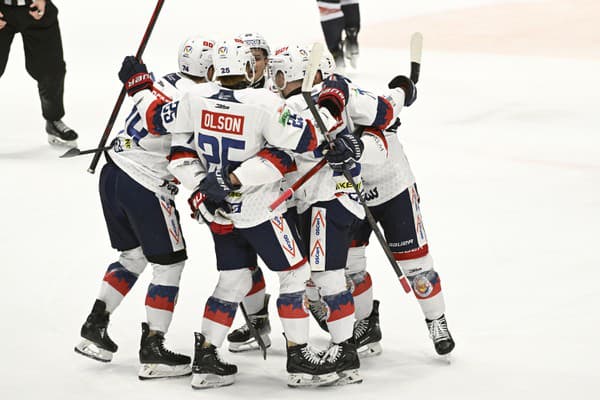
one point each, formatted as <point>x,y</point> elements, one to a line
<point>223,123</point>
<point>371,194</point>
<point>236,207</point>
<point>281,50</point>
<point>284,116</point>
<point>318,239</point>
<point>346,185</point>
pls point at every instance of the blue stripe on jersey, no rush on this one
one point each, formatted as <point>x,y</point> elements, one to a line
<point>385,113</point>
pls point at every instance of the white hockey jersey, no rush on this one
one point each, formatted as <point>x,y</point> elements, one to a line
<point>214,127</point>
<point>143,154</point>
<point>385,181</point>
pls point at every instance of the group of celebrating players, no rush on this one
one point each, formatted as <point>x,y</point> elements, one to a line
<point>232,127</point>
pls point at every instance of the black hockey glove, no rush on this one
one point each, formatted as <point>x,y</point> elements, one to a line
<point>334,95</point>
<point>134,75</point>
<point>346,150</point>
<point>217,185</point>
<point>408,86</point>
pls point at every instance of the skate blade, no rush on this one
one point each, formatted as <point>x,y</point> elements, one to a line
<point>91,350</point>
<point>56,141</point>
<point>156,371</point>
<point>307,380</point>
<point>250,345</point>
<point>207,381</point>
<point>370,350</point>
<point>349,377</point>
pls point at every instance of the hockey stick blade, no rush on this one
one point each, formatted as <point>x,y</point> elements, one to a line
<point>416,48</point>
<point>254,332</point>
<point>74,152</point>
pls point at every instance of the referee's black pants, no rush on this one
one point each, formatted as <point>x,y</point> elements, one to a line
<point>43,53</point>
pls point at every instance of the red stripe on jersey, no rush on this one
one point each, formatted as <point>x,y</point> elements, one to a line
<point>278,159</point>
<point>183,154</point>
<point>153,110</point>
<point>412,254</point>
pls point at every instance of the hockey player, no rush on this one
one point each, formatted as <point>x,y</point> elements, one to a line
<point>137,194</point>
<point>261,52</point>
<point>338,16</point>
<point>392,196</point>
<point>216,127</point>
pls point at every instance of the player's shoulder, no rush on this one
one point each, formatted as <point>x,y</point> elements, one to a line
<point>262,98</point>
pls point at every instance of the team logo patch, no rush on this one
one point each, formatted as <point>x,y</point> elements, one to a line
<point>303,53</point>
<point>223,50</point>
<point>187,51</point>
<point>422,286</point>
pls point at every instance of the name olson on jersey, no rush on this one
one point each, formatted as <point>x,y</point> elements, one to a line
<point>223,123</point>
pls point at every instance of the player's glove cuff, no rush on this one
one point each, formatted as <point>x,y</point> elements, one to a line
<point>408,86</point>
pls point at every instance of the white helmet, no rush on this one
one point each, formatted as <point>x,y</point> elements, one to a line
<point>195,56</point>
<point>291,61</point>
<point>256,41</point>
<point>232,57</point>
<point>327,64</point>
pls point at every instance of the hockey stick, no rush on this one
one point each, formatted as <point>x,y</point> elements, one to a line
<point>416,47</point>
<point>315,57</point>
<point>74,152</point>
<point>254,332</point>
<point>117,107</point>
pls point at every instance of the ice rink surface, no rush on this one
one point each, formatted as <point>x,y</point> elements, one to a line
<point>505,145</point>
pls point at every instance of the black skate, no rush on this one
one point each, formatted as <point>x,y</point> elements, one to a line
<point>241,339</point>
<point>367,334</point>
<point>346,361</point>
<point>158,362</point>
<point>208,368</point>
<point>96,343</point>
<point>351,46</point>
<point>61,134</point>
<point>307,368</point>
<point>318,309</point>
<point>338,56</point>
<point>439,333</point>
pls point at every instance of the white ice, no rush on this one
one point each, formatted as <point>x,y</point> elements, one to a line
<point>506,153</point>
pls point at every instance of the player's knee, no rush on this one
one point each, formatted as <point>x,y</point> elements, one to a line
<point>330,282</point>
<point>416,266</point>
<point>233,285</point>
<point>357,260</point>
<point>167,275</point>
<point>168,259</point>
<point>295,280</point>
<point>133,260</point>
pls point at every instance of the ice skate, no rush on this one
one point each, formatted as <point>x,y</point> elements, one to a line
<point>208,369</point>
<point>307,368</point>
<point>367,334</point>
<point>61,134</point>
<point>346,361</point>
<point>96,343</point>
<point>351,47</point>
<point>158,362</point>
<point>439,333</point>
<point>338,56</point>
<point>241,340</point>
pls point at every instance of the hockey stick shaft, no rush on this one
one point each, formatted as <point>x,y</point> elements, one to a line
<point>289,192</point>
<point>254,332</point>
<point>74,152</point>
<point>306,93</point>
<point>416,47</point>
<point>117,107</point>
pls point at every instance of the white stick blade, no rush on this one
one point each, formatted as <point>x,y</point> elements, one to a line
<point>313,65</point>
<point>416,47</point>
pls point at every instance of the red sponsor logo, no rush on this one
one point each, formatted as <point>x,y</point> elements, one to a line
<point>224,123</point>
